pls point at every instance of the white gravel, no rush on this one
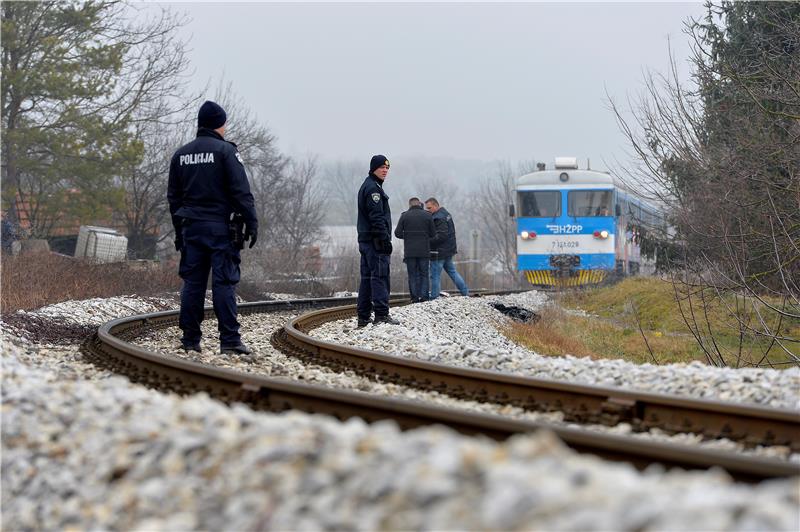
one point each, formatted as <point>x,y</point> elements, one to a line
<point>459,331</point>
<point>256,332</point>
<point>98,311</point>
<point>108,455</point>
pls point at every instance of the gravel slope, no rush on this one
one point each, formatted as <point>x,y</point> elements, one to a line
<point>458,331</point>
<point>265,360</point>
<point>107,455</point>
<point>83,449</point>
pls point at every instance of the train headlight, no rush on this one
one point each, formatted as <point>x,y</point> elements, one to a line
<point>524,235</point>
<point>601,234</point>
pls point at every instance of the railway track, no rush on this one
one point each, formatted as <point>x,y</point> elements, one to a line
<point>111,347</point>
<point>580,403</point>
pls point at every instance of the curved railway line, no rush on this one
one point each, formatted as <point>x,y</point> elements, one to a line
<point>751,425</point>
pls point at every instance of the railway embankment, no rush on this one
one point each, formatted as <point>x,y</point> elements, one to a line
<point>85,448</point>
<point>467,332</point>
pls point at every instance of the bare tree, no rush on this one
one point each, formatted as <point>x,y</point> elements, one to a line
<point>289,197</point>
<point>341,180</point>
<point>490,212</point>
<point>300,215</point>
<point>723,156</point>
<point>145,212</point>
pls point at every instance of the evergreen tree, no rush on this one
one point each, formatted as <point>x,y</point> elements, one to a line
<point>77,77</point>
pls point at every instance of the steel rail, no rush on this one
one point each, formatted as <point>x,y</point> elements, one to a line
<point>748,424</point>
<point>109,348</point>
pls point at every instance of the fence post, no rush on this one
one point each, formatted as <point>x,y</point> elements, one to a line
<point>474,256</point>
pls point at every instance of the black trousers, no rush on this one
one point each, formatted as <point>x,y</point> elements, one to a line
<point>207,247</point>
<point>418,285</point>
<point>373,291</point>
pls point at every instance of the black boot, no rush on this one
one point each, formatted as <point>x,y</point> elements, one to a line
<point>193,347</point>
<point>363,323</point>
<point>238,349</point>
<point>386,319</point>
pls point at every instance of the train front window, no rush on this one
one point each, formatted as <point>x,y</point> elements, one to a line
<point>590,203</point>
<point>539,203</point>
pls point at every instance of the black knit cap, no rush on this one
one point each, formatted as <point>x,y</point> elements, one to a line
<point>377,161</point>
<point>211,115</point>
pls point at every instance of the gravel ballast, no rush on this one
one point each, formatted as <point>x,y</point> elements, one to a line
<point>266,360</point>
<point>459,331</point>
<point>83,449</point>
<point>109,455</point>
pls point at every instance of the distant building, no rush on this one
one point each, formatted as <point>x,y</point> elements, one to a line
<point>63,234</point>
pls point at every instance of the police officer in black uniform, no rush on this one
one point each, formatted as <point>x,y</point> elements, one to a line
<point>374,244</point>
<point>207,186</point>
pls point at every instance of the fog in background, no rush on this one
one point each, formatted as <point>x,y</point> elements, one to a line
<point>464,81</point>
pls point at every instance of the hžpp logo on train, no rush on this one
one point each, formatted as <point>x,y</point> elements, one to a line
<point>564,229</point>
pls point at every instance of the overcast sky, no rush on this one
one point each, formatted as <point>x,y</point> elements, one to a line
<point>468,81</point>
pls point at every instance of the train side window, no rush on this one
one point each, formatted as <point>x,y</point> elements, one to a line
<point>539,203</point>
<point>590,203</point>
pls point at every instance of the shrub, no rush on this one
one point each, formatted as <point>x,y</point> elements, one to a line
<point>32,281</point>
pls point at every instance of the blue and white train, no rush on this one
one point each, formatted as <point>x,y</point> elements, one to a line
<point>575,227</point>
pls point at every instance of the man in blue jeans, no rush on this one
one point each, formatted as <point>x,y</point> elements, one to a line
<point>443,248</point>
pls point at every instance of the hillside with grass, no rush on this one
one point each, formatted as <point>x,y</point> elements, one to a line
<point>648,320</point>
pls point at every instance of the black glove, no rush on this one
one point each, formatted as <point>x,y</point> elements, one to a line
<point>251,234</point>
<point>382,246</point>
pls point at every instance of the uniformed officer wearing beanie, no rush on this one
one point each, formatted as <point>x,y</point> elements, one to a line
<point>374,245</point>
<point>207,185</point>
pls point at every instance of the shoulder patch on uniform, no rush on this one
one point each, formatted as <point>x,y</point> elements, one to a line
<point>376,197</point>
<point>239,158</point>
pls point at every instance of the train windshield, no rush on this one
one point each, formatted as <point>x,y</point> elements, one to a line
<point>590,203</point>
<point>539,203</point>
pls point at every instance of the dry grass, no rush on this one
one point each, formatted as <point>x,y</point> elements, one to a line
<point>639,320</point>
<point>32,281</point>
<point>548,335</point>
<point>559,333</point>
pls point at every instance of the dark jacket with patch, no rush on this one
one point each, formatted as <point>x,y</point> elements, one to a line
<point>445,240</point>
<point>416,228</point>
<point>374,216</point>
<point>207,181</point>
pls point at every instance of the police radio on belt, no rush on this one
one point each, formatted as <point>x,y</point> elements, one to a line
<point>236,230</point>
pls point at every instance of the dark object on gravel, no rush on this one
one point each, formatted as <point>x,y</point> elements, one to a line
<point>517,313</point>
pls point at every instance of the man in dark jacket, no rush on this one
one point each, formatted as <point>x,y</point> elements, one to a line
<point>207,185</point>
<point>374,244</point>
<point>443,248</point>
<point>416,229</point>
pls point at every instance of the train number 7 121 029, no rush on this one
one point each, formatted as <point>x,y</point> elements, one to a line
<point>564,244</point>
